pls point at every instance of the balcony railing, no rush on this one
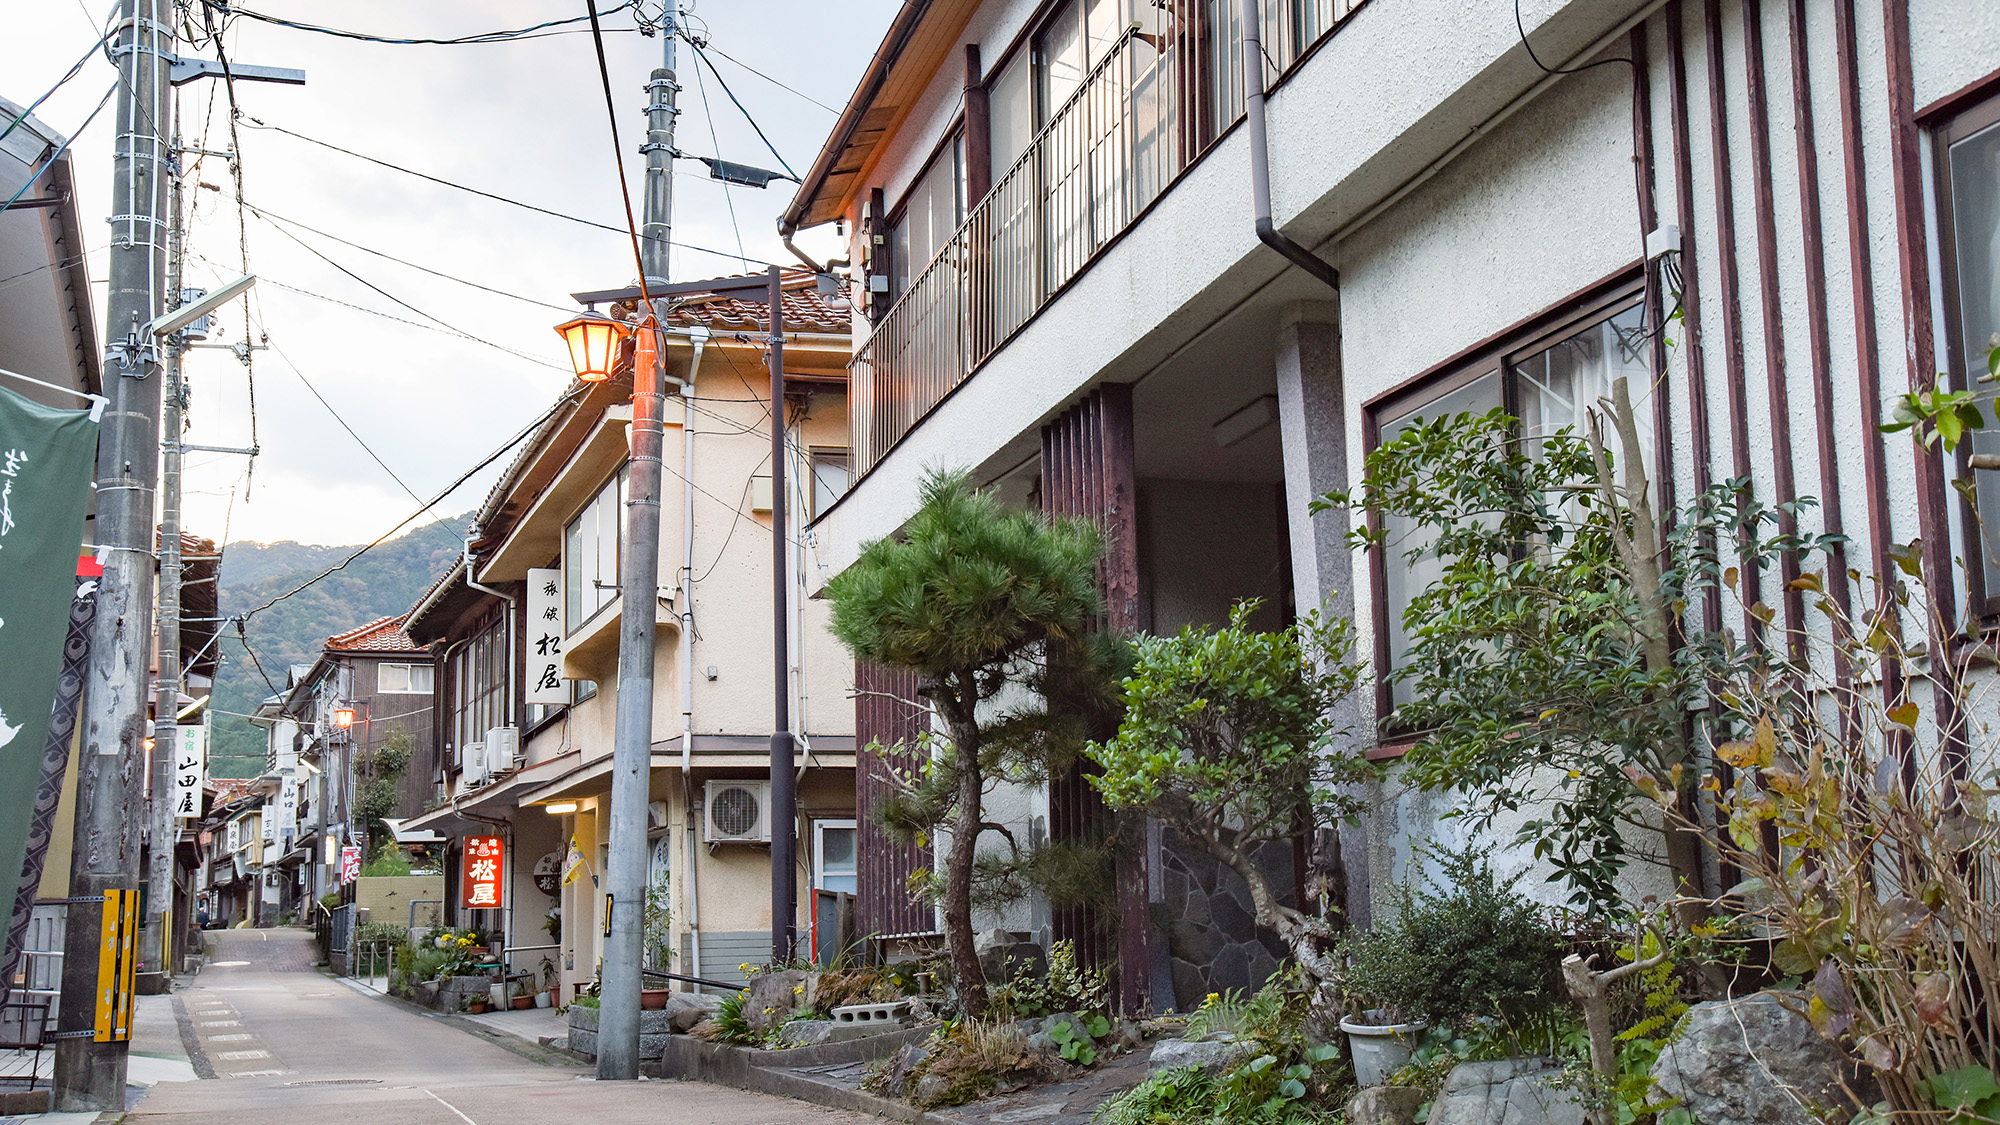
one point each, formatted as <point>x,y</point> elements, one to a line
<point>1158,99</point>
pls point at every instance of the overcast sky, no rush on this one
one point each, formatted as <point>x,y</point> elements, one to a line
<point>522,119</point>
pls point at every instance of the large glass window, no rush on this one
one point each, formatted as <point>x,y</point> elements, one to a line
<point>830,478</point>
<point>1549,382</point>
<point>403,679</point>
<point>835,866</point>
<point>590,552</point>
<point>1969,213</point>
<point>478,679</point>
<point>931,213</point>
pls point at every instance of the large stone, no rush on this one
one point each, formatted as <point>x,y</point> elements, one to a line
<point>804,1033</point>
<point>1003,962</point>
<point>772,997</point>
<point>1757,1061</point>
<point>1385,1105</point>
<point>1209,1054</point>
<point>686,1009</point>
<point>896,1075</point>
<point>582,1017</point>
<point>1507,1092</point>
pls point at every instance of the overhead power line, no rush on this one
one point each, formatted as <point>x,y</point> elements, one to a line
<point>74,70</point>
<point>441,181</point>
<point>758,129</point>
<point>274,217</point>
<point>780,85</point>
<point>414,516</point>
<point>537,31</point>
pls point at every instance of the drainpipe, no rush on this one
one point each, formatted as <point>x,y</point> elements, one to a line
<point>785,232</point>
<point>1260,155</point>
<point>697,336</point>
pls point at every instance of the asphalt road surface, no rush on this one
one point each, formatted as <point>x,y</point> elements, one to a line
<point>291,1046</point>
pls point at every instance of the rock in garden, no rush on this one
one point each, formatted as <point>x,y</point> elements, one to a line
<point>1003,962</point>
<point>1757,1061</point>
<point>772,997</point>
<point>686,1009</point>
<point>804,1033</point>
<point>1385,1105</point>
<point>1209,1054</point>
<point>896,1075</point>
<point>1507,1092</point>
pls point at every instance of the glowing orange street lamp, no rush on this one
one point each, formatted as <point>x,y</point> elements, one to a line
<point>593,340</point>
<point>343,717</point>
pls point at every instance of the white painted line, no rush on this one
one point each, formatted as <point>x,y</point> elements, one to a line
<point>256,1073</point>
<point>222,1023</point>
<point>230,1038</point>
<point>453,1108</point>
<point>237,1056</point>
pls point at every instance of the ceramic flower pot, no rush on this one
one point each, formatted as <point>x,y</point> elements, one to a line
<point>523,1003</point>
<point>653,999</point>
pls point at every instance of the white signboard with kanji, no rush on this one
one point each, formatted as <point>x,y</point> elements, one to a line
<point>190,763</point>
<point>545,637</point>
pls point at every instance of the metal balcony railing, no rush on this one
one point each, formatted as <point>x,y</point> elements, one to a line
<point>1157,100</point>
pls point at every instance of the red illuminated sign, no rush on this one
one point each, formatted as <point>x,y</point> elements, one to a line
<point>485,857</point>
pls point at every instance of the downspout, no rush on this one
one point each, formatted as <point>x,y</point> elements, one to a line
<point>785,232</point>
<point>1260,156</point>
<point>698,337</point>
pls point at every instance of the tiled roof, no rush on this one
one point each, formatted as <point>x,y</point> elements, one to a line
<point>384,635</point>
<point>805,310</point>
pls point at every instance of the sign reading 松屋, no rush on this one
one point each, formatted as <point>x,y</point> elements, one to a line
<point>190,763</point>
<point>484,859</point>
<point>545,637</point>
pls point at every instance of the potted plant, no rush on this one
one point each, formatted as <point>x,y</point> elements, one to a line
<point>476,1004</point>
<point>547,996</point>
<point>1460,949</point>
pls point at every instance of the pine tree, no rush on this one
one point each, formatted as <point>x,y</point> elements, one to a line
<point>971,597</point>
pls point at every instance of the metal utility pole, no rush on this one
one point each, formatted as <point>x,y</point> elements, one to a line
<point>167,681</point>
<point>639,579</point>
<point>89,1073</point>
<point>784,812</point>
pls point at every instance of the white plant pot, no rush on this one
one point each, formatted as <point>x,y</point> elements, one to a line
<point>498,993</point>
<point>544,999</point>
<point>1377,1050</point>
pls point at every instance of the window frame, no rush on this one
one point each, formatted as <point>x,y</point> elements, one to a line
<point>817,454</point>
<point>1983,603</point>
<point>574,586</point>
<point>819,827</point>
<point>951,145</point>
<point>409,670</point>
<point>1492,357</point>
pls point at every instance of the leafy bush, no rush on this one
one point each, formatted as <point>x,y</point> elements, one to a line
<point>971,1056</point>
<point>1076,1040</point>
<point>1284,1080</point>
<point>389,861</point>
<point>1066,987</point>
<point>390,932</point>
<point>727,1025</point>
<point>429,963</point>
<point>1458,949</point>
<point>585,1001</point>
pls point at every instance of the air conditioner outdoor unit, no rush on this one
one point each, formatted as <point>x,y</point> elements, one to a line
<point>472,764</point>
<point>503,749</point>
<point>739,812</point>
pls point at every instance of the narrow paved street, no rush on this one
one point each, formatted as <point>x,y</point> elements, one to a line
<point>290,1046</point>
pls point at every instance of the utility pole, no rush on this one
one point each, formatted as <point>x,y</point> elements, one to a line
<point>90,1075</point>
<point>784,803</point>
<point>167,684</point>
<point>631,756</point>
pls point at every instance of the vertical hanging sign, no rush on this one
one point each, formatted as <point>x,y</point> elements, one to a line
<point>190,764</point>
<point>46,459</point>
<point>350,864</point>
<point>545,637</point>
<point>485,857</point>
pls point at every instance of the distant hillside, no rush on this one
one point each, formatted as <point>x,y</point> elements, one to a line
<point>386,580</point>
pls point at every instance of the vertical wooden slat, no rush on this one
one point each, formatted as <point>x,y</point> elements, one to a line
<point>886,712</point>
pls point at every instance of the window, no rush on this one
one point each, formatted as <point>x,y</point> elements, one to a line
<point>830,479</point>
<point>478,680</point>
<point>1548,380</point>
<point>590,552</point>
<point>834,865</point>
<point>930,215</point>
<point>403,679</point>
<point>1968,150</point>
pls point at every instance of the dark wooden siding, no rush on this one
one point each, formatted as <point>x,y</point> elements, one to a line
<point>887,712</point>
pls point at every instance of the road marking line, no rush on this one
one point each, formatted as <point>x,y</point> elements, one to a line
<point>255,1073</point>
<point>453,1108</point>
<point>230,1038</point>
<point>236,1056</point>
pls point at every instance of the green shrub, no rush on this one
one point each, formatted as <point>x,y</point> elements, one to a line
<point>429,963</point>
<point>1066,987</point>
<point>727,1025</point>
<point>585,1001</point>
<point>1459,949</point>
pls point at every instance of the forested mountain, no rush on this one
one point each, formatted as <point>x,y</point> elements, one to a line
<point>388,579</point>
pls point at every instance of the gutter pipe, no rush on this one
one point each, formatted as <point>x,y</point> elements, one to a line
<point>698,337</point>
<point>1260,155</point>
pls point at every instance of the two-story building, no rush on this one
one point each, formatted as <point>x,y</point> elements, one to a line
<point>1092,268</point>
<point>525,629</point>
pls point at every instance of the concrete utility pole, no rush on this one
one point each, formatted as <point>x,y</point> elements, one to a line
<point>90,1075</point>
<point>631,756</point>
<point>784,803</point>
<point>167,682</point>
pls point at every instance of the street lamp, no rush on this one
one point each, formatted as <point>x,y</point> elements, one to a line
<point>593,340</point>
<point>343,717</point>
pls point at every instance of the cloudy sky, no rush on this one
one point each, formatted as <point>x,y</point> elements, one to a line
<point>523,119</point>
